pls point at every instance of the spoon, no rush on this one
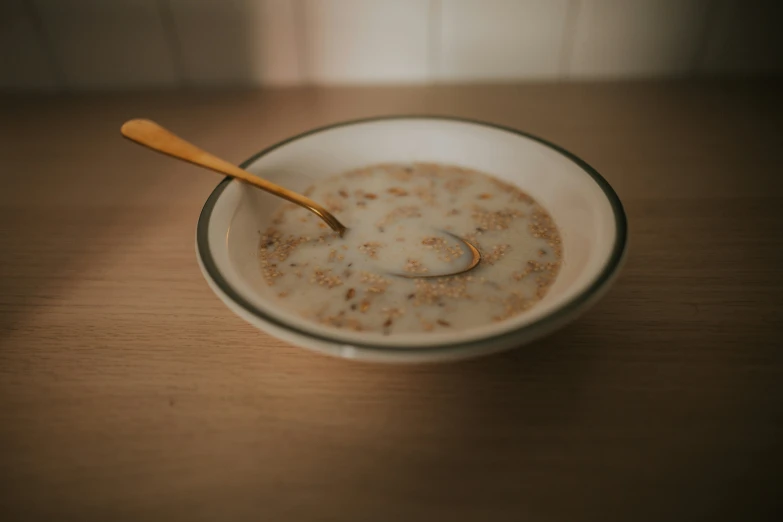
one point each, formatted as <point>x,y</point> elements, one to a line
<point>153,136</point>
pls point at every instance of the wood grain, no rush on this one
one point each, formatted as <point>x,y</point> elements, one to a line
<point>129,392</point>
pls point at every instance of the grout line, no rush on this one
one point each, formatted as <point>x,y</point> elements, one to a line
<point>304,60</point>
<point>569,38</point>
<point>435,41</point>
<point>710,21</point>
<point>173,42</point>
<point>56,70</point>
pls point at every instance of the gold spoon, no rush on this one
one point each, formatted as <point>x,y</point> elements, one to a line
<point>153,136</point>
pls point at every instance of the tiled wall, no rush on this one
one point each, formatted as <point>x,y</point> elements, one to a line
<point>110,44</point>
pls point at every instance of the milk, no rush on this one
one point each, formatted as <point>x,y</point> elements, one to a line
<point>398,216</point>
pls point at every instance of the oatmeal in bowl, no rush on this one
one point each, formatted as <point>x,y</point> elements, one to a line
<point>550,230</point>
<point>371,279</point>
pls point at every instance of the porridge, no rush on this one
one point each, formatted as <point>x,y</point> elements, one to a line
<point>399,220</point>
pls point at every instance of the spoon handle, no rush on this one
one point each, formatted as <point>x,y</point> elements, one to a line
<point>155,137</point>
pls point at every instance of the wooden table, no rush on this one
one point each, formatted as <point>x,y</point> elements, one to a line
<point>129,392</point>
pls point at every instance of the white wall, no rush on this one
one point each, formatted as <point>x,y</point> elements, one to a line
<point>126,44</point>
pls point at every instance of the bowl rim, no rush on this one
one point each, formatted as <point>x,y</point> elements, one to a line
<point>546,322</point>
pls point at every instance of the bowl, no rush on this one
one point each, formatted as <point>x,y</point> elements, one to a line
<point>587,211</point>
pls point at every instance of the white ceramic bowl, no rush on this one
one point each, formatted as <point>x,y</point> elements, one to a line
<point>585,208</point>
